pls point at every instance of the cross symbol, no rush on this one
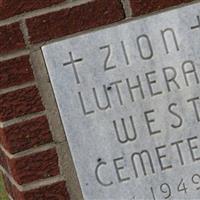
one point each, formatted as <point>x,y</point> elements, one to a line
<point>197,26</point>
<point>73,62</point>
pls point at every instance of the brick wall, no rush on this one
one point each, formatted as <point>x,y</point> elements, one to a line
<point>32,158</point>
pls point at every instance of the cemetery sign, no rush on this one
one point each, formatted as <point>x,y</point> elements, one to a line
<point>129,100</point>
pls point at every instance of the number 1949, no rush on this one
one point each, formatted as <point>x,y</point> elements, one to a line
<point>167,191</point>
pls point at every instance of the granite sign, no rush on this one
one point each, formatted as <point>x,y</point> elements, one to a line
<point>129,100</point>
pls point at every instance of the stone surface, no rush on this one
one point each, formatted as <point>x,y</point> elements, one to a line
<point>129,103</point>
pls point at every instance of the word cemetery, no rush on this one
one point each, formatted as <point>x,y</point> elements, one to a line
<point>129,100</point>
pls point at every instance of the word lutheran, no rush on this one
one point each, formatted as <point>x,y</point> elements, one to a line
<point>129,101</point>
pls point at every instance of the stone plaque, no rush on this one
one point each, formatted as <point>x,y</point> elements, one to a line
<point>129,99</point>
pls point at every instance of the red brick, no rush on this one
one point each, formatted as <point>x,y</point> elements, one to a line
<point>9,8</point>
<point>141,7</point>
<point>11,38</point>
<point>24,135</point>
<point>15,72</point>
<point>20,102</point>
<point>55,191</point>
<point>75,19</point>
<point>33,167</point>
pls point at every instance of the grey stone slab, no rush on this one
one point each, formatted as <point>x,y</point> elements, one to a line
<point>129,99</point>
